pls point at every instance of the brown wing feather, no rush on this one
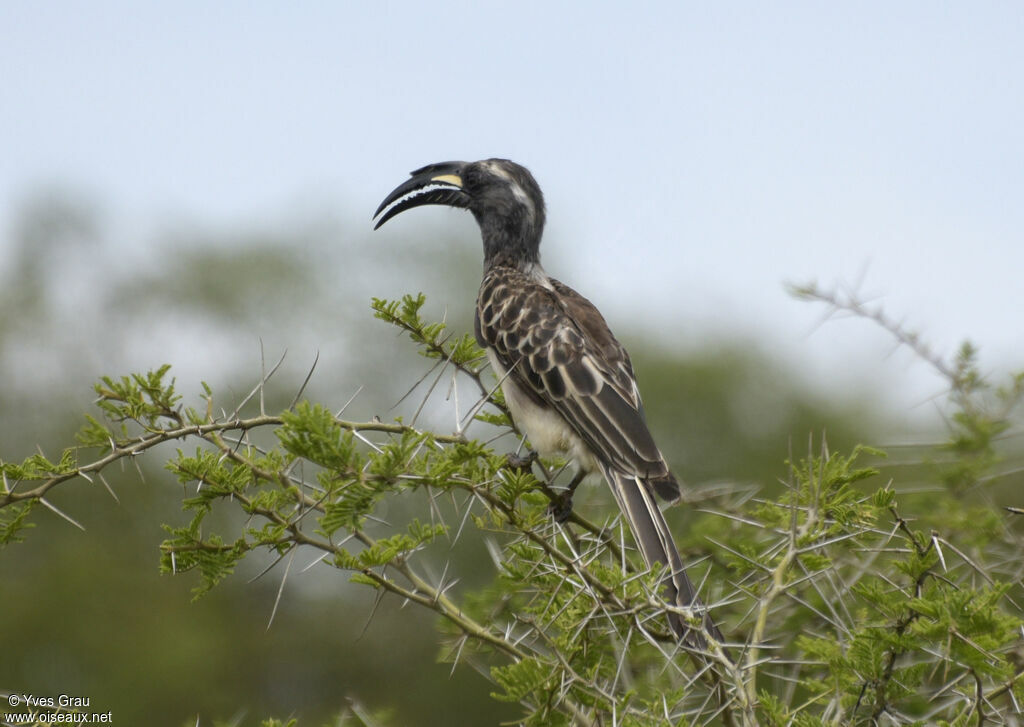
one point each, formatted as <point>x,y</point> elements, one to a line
<point>560,351</point>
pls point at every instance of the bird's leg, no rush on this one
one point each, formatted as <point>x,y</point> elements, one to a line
<point>561,507</point>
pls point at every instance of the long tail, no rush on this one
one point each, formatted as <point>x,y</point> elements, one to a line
<point>657,545</point>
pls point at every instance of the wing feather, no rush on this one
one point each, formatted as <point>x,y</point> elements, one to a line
<point>560,351</point>
<point>583,379</point>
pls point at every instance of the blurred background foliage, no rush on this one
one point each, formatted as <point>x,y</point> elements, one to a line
<point>86,613</point>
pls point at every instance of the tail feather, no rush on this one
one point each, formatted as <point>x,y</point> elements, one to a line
<point>657,545</point>
<point>666,487</point>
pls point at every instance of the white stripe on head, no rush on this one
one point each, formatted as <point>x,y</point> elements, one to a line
<point>518,192</point>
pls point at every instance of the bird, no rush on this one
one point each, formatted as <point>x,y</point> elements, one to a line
<point>568,382</point>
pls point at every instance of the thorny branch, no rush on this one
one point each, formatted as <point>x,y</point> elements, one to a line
<point>824,560</point>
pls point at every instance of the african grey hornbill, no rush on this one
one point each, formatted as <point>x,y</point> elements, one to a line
<point>568,383</point>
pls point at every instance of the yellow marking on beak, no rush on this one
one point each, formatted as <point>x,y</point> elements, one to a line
<point>448,179</point>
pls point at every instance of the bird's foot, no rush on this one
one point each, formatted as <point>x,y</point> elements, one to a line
<point>521,462</point>
<point>560,507</point>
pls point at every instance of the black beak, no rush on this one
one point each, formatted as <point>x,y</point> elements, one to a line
<point>433,184</point>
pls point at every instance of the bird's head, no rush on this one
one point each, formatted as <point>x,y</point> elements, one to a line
<point>502,195</point>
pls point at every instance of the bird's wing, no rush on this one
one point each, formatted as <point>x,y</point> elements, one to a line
<point>559,351</point>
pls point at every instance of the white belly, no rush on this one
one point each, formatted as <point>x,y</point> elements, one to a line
<point>547,431</point>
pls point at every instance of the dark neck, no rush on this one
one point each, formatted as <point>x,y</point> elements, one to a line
<point>511,245</point>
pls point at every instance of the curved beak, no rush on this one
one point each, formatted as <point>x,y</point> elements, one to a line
<point>433,184</point>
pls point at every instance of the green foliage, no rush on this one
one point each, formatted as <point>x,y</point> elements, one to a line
<point>846,599</point>
<point>14,518</point>
<point>392,550</point>
<point>434,343</point>
<point>981,416</point>
<point>312,433</point>
<point>430,337</point>
<point>141,399</point>
<point>38,467</point>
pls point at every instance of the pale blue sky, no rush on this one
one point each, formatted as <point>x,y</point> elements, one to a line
<point>699,154</point>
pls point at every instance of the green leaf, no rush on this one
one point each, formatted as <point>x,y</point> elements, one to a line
<point>14,518</point>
